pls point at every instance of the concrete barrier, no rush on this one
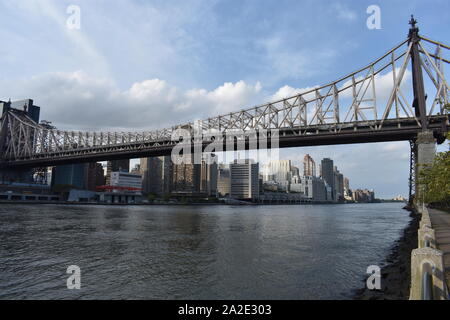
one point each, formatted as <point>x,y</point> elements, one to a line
<point>426,237</point>
<point>427,275</point>
<point>425,220</point>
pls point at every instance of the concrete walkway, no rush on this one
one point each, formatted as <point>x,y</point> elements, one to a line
<point>440,222</point>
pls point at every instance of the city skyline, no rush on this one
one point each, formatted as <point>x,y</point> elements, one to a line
<point>73,70</point>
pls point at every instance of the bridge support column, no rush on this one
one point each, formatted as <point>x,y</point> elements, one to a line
<point>425,153</point>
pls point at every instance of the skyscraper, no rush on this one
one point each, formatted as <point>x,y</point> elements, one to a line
<point>208,175</point>
<point>244,180</point>
<point>186,176</point>
<point>223,182</point>
<point>94,176</point>
<point>156,175</point>
<point>280,170</point>
<point>327,174</point>
<point>338,184</point>
<point>70,175</point>
<point>309,166</point>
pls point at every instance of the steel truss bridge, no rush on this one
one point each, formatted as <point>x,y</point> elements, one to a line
<point>393,98</point>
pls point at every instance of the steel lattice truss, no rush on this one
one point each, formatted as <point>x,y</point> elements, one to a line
<point>354,103</point>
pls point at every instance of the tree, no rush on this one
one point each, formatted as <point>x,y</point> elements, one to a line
<point>435,178</point>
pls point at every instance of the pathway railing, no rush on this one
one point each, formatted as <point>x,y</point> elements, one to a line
<point>427,264</point>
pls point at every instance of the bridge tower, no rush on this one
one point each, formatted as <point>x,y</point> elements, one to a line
<point>423,148</point>
<point>15,175</point>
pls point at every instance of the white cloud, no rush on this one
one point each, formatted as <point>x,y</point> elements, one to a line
<point>78,101</point>
<point>288,91</point>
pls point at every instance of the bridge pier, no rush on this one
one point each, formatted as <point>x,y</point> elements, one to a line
<point>425,151</point>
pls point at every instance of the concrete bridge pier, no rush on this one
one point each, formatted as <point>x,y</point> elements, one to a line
<point>425,153</point>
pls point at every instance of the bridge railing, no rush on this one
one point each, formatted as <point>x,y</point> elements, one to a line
<point>427,264</point>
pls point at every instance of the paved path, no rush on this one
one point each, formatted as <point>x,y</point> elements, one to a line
<point>440,222</point>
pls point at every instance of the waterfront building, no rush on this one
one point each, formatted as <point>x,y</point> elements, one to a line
<point>339,185</point>
<point>244,180</point>
<point>329,192</point>
<point>346,186</point>
<point>295,172</point>
<point>17,191</point>
<point>297,187</point>
<point>313,188</point>
<point>347,190</point>
<point>114,166</point>
<point>70,175</point>
<point>327,174</point>
<point>280,169</point>
<point>186,177</point>
<point>156,175</point>
<point>126,180</point>
<point>280,197</point>
<point>94,176</point>
<point>363,195</point>
<point>208,175</point>
<point>309,166</point>
<point>223,182</point>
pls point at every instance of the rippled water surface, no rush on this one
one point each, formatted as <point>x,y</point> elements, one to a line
<point>194,252</point>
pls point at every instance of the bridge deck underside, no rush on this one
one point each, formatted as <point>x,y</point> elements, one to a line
<point>349,133</point>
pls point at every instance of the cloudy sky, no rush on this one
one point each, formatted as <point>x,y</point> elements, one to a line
<point>148,64</point>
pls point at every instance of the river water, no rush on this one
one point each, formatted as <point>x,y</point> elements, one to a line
<point>194,252</point>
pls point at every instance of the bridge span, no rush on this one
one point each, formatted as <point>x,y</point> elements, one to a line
<point>390,99</point>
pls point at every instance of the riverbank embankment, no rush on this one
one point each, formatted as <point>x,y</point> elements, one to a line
<point>396,274</point>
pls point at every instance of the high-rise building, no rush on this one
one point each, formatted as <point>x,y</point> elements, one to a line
<point>136,169</point>
<point>70,175</point>
<point>223,182</point>
<point>338,185</point>
<point>156,175</point>
<point>309,166</point>
<point>295,171</point>
<point>186,176</point>
<point>208,175</point>
<point>327,174</point>
<point>280,170</point>
<point>116,166</point>
<point>244,180</point>
<point>313,188</point>
<point>347,191</point>
<point>94,176</point>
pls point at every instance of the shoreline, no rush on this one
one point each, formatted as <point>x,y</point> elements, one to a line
<point>18,202</point>
<point>396,274</point>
